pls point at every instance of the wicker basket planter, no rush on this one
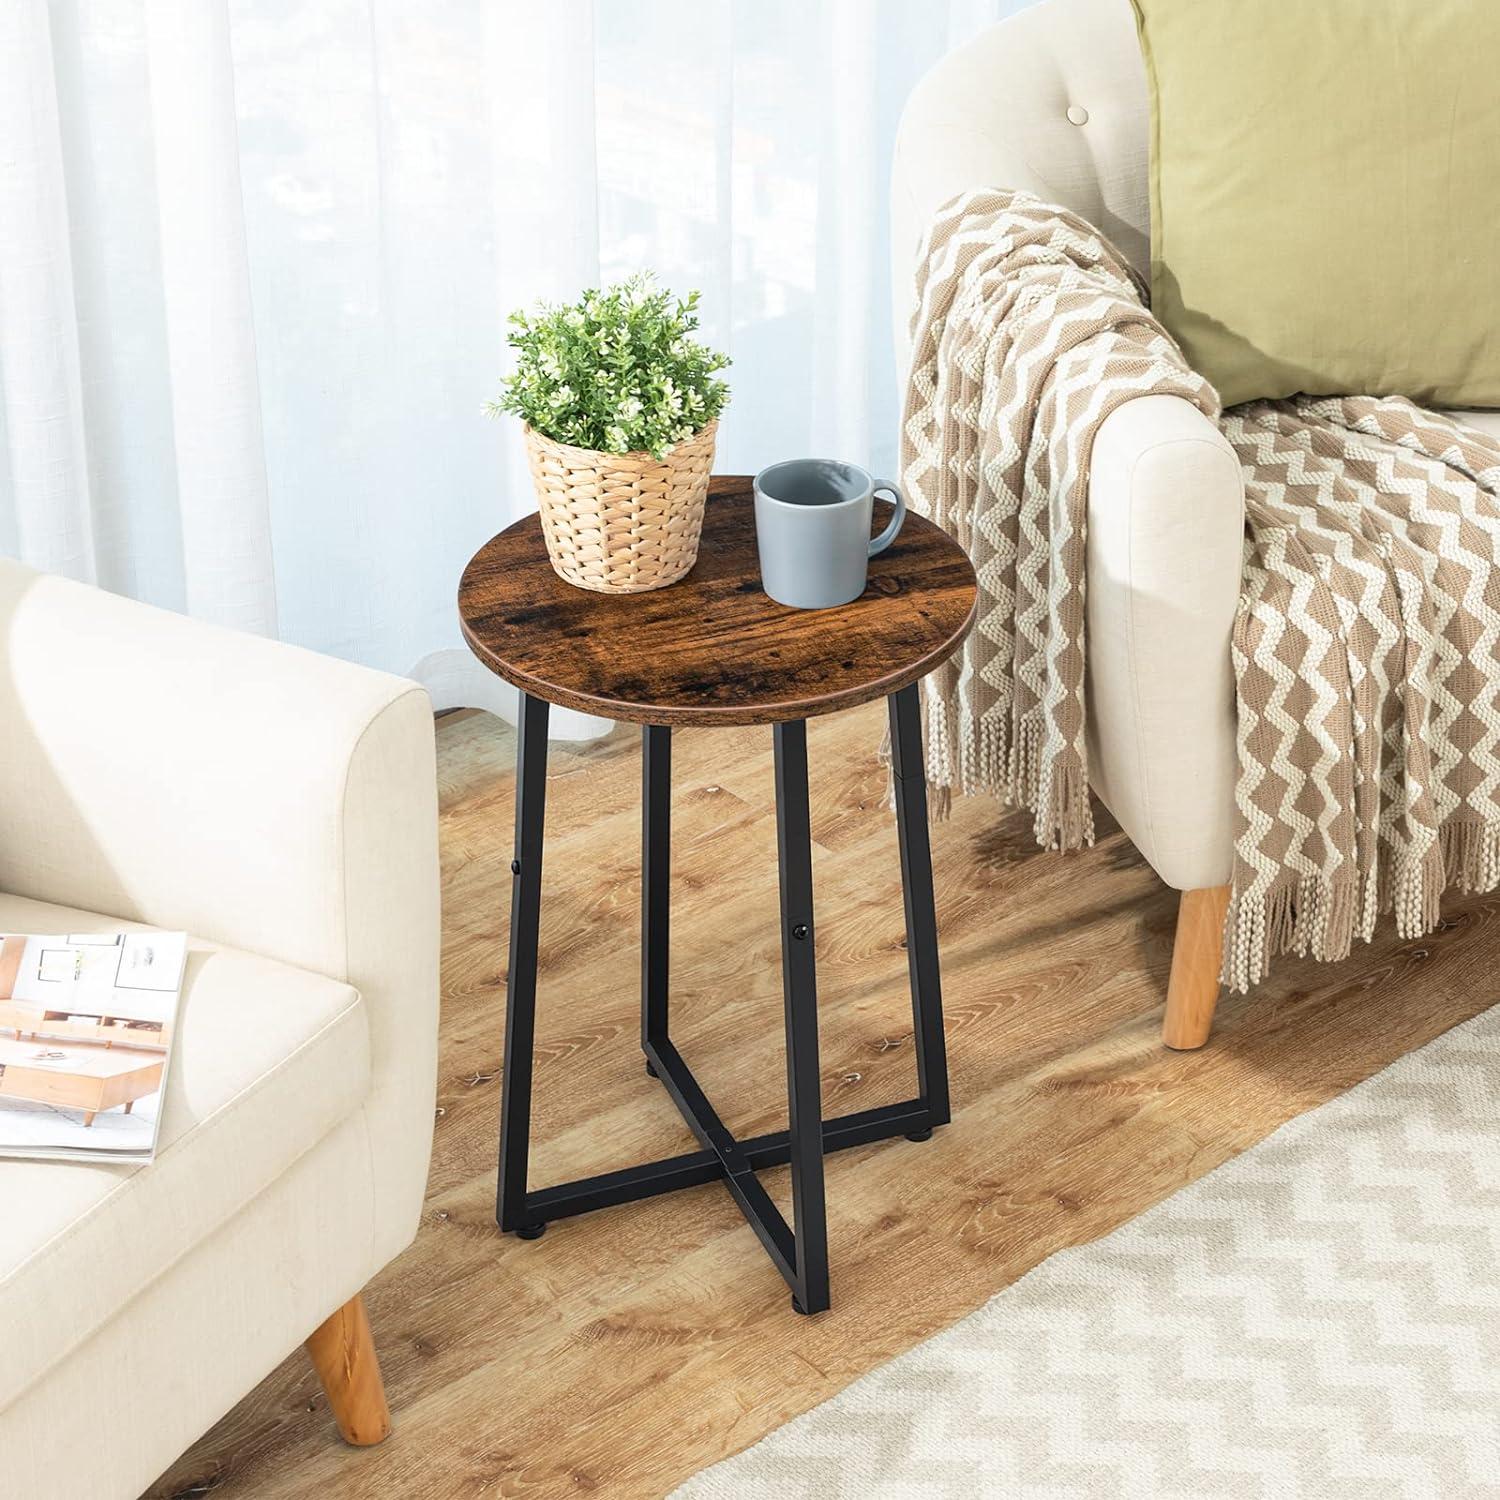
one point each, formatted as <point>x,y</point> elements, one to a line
<point>621,523</point>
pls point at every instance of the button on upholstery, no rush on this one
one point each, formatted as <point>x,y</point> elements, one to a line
<point>1078,114</point>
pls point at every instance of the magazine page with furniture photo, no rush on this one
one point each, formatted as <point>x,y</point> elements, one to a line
<point>87,1024</point>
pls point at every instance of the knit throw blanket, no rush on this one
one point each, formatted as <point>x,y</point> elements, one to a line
<point>1365,645</point>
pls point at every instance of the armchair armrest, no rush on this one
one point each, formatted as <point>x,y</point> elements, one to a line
<point>1166,499</point>
<point>253,793</point>
<point>1165,540</point>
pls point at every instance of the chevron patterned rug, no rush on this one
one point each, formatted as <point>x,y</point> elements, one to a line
<point>1318,1317</point>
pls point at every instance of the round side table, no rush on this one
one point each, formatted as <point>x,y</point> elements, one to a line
<point>714,649</point>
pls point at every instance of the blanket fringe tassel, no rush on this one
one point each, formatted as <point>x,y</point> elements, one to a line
<point>1003,760</point>
<point>1320,919</point>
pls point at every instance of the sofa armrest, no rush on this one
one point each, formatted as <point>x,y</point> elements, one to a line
<point>255,794</point>
<point>1165,540</point>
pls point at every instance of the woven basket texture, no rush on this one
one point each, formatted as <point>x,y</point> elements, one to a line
<point>621,523</point>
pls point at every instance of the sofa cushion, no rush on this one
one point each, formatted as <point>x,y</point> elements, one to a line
<point>1325,188</point>
<point>269,1059</point>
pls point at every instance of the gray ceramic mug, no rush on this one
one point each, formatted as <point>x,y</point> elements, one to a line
<point>812,527</point>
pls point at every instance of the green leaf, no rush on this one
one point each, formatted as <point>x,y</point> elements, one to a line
<point>616,371</point>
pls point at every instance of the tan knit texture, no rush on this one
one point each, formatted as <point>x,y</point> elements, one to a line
<point>1366,648</point>
<point>621,523</point>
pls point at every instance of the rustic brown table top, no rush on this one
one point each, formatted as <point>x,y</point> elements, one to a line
<point>713,648</point>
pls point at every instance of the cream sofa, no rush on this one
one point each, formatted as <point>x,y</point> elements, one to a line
<point>1054,100</point>
<point>280,807</point>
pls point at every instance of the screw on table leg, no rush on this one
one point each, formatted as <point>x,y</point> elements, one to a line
<point>520,984</point>
<point>800,996</point>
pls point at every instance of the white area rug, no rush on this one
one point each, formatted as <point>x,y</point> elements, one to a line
<point>1318,1317</point>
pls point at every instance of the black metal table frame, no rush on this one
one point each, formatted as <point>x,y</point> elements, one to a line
<point>800,1250</point>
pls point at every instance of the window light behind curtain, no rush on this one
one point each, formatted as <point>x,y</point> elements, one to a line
<point>256,255</point>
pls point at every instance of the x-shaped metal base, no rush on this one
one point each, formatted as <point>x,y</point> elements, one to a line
<point>799,1250</point>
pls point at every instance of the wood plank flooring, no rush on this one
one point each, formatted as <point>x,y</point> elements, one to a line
<point>625,1350</point>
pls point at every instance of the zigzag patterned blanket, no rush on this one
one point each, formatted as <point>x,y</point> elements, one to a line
<point>1366,647</point>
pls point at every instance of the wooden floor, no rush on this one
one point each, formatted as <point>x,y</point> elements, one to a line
<point>624,1351</point>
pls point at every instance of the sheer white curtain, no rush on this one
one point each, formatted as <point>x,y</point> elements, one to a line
<point>256,256</point>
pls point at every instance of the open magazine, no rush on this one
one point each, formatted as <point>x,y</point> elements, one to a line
<point>87,1025</point>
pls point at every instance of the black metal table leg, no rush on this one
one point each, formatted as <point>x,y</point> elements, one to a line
<point>656,882</point>
<point>910,782</point>
<point>511,1208</point>
<point>799,986</point>
<point>799,1251</point>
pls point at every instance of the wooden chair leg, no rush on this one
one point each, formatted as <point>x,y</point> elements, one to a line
<point>343,1353</point>
<point>1193,989</point>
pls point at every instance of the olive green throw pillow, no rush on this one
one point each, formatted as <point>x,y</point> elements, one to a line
<point>1325,194</point>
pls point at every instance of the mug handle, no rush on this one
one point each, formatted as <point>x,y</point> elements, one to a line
<point>886,537</point>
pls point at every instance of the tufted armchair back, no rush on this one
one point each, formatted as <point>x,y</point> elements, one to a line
<point>1052,100</point>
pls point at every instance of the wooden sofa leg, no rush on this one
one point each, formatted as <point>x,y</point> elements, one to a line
<point>1193,989</point>
<point>343,1353</point>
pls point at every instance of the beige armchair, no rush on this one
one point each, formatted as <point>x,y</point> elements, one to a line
<point>1054,100</point>
<point>281,807</point>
